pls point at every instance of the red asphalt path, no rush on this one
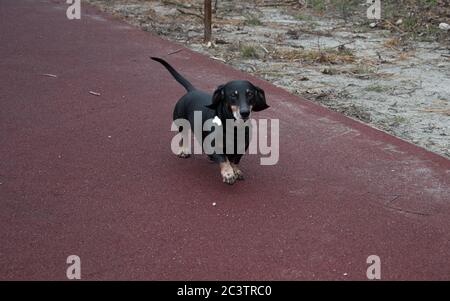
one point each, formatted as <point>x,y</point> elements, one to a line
<point>94,176</point>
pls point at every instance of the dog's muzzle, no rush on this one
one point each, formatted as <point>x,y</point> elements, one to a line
<point>245,114</point>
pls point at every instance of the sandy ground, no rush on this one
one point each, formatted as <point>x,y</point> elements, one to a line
<point>371,74</point>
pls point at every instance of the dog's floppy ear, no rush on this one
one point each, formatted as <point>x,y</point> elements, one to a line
<point>260,103</point>
<point>218,96</point>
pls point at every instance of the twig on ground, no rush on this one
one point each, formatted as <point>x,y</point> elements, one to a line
<point>343,44</point>
<point>276,3</point>
<point>50,75</point>
<point>190,13</point>
<point>176,51</point>
<point>218,59</point>
<point>178,4</point>
<point>264,48</point>
<point>437,110</point>
<point>94,93</point>
<point>395,26</point>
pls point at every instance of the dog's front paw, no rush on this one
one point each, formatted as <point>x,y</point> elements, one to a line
<point>229,178</point>
<point>228,175</point>
<point>238,173</point>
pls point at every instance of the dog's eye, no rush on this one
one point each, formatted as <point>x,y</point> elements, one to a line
<point>250,94</point>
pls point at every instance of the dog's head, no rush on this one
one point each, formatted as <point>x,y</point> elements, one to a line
<point>240,98</point>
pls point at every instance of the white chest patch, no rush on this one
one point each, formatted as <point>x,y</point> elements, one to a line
<point>217,121</point>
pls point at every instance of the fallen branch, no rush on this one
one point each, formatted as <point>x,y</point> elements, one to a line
<point>343,44</point>
<point>176,51</point>
<point>190,13</point>
<point>218,59</point>
<point>276,3</point>
<point>178,4</point>
<point>436,110</point>
<point>395,26</point>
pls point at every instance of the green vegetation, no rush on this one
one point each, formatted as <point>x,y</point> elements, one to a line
<point>248,52</point>
<point>376,88</point>
<point>252,20</point>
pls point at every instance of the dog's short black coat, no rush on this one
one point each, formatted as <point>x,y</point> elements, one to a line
<point>235,99</point>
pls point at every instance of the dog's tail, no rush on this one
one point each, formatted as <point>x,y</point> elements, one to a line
<point>186,84</point>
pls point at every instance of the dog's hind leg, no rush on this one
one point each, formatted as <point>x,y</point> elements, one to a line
<point>184,150</point>
<point>184,146</point>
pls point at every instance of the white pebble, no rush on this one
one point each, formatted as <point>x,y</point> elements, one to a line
<point>214,204</point>
<point>444,26</point>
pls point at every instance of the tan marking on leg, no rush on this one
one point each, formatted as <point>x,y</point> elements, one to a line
<point>227,173</point>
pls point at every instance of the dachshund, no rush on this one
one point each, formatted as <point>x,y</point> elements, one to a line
<point>234,100</point>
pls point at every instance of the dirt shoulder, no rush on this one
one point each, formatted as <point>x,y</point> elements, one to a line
<point>393,74</point>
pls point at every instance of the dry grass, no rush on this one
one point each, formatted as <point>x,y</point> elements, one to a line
<point>248,52</point>
<point>443,111</point>
<point>326,56</point>
<point>392,43</point>
<point>406,55</point>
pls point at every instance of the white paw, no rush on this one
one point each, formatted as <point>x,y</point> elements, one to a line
<point>229,178</point>
<point>237,172</point>
<point>227,172</point>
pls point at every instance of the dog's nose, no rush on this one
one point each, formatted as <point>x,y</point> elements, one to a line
<point>245,114</point>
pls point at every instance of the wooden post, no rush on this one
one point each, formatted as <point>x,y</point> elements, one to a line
<point>207,17</point>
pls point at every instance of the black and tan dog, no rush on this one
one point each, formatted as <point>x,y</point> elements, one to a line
<point>233,100</point>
